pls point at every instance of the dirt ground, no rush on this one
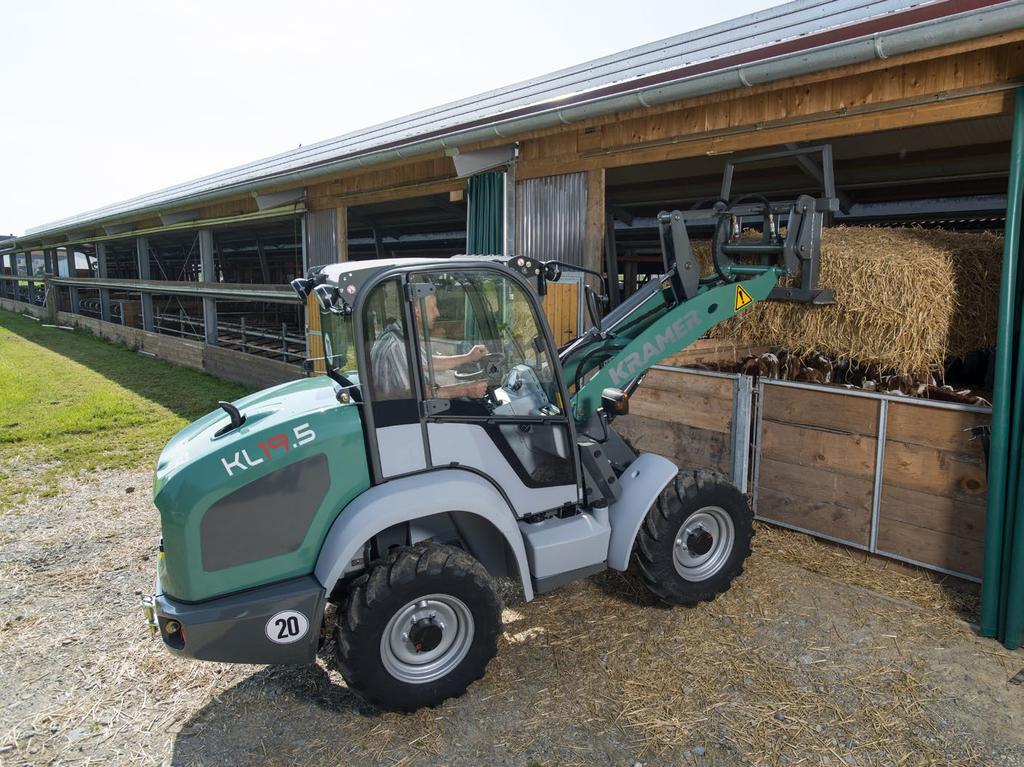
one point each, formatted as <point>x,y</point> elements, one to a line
<point>790,667</point>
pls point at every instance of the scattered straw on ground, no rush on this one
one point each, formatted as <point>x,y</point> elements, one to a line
<point>786,668</point>
<point>906,299</point>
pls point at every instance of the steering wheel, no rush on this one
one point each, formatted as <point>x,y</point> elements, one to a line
<point>490,365</point>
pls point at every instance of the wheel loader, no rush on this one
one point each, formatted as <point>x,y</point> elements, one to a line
<point>448,443</point>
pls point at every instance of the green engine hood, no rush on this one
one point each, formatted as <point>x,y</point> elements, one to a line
<point>253,505</point>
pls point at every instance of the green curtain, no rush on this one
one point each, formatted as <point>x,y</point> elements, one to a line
<point>486,214</point>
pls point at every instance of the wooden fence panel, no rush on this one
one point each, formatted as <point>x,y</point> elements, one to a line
<point>684,416</point>
<point>818,461</point>
<point>933,488</point>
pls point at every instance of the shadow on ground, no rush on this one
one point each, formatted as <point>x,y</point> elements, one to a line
<point>186,393</point>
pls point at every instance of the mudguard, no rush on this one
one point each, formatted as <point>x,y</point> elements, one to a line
<point>415,497</point>
<point>640,484</point>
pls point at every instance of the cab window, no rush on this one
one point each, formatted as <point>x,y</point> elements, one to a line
<point>482,347</point>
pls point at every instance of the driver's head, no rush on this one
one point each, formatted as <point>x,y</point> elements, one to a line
<point>430,304</point>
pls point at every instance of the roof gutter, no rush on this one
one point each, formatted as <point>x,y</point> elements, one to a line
<point>927,33</point>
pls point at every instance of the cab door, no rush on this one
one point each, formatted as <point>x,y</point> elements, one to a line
<point>491,396</point>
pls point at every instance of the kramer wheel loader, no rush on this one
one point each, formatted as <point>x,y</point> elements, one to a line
<point>450,442</point>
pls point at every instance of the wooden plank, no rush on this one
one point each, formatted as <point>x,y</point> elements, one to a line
<point>687,447</point>
<point>824,410</point>
<point>935,471</point>
<point>934,427</point>
<point>952,552</point>
<point>848,492</point>
<point>815,515</point>
<point>953,516</point>
<point>849,454</point>
<point>682,382</point>
<point>701,411</point>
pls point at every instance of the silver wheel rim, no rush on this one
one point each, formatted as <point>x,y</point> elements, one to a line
<point>703,543</point>
<point>407,647</point>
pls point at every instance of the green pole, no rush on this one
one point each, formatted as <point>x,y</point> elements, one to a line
<point>1002,394</point>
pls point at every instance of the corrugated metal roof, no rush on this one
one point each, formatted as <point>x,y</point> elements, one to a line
<point>788,28</point>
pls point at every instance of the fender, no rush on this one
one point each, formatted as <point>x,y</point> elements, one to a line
<point>410,498</point>
<point>641,484</point>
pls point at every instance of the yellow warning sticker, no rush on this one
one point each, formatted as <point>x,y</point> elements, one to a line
<point>742,298</point>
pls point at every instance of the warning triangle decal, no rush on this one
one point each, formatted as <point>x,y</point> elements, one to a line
<point>742,298</point>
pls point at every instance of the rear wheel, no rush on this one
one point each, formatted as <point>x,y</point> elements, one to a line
<point>418,628</point>
<point>695,538</point>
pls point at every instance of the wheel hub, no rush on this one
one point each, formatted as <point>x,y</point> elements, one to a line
<point>703,543</point>
<point>700,542</point>
<point>427,638</point>
<point>425,635</point>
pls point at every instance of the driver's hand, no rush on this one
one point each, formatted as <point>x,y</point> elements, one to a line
<point>476,390</point>
<point>477,352</point>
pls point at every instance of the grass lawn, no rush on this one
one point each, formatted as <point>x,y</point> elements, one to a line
<point>70,402</point>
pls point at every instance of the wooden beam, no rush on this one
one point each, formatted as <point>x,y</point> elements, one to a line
<point>593,238</point>
<point>341,232</point>
<point>760,135</point>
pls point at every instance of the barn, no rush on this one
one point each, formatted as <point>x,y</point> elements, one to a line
<point>908,113</point>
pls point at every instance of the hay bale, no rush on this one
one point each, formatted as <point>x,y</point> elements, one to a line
<point>907,300</point>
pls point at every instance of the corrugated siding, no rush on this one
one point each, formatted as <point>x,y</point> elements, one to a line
<point>552,217</point>
<point>321,237</point>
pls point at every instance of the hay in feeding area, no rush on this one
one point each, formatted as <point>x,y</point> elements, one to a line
<point>906,300</point>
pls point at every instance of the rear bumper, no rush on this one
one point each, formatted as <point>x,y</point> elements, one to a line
<point>243,628</point>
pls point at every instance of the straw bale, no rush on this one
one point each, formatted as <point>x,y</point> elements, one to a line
<point>907,300</point>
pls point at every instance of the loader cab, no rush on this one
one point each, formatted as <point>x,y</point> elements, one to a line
<point>456,367</point>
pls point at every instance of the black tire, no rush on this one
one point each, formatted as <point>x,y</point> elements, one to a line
<point>387,590</point>
<point>694,501</point>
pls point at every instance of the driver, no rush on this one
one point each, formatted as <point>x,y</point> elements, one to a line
<point>390,368</point>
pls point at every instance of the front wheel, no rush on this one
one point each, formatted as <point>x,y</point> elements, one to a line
<point>694,539</point>
<point>418,628</point>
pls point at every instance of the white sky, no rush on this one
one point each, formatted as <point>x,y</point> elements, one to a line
<point>107,99</point>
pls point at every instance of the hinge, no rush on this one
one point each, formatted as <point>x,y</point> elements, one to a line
<point>431,407</point>
<point>417,290</point>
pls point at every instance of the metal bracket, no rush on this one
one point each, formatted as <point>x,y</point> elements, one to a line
<point>417,290</point>
<point>432,407</point>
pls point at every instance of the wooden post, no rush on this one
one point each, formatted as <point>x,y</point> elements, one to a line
<point>207,275</point>
<point>101,272</point>
<point>341,233</point>
<point>146,299</point>
<point>593,242</point>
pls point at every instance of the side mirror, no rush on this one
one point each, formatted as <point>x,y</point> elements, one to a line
<point>326,295</point>
<point>614,402</point>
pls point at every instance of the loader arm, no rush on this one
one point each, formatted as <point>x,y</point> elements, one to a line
<point>653,329</point>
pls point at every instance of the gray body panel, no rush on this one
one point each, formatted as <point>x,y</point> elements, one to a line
<point>469,445</point>
<point>555,546</point>
<point>415,497</point>
<point>401,449</point>
<point>640,486</point>
<point>233,629</point>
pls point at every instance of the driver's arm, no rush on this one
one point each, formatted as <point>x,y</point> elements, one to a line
<point>471,389</point>
<point>442,362</point>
